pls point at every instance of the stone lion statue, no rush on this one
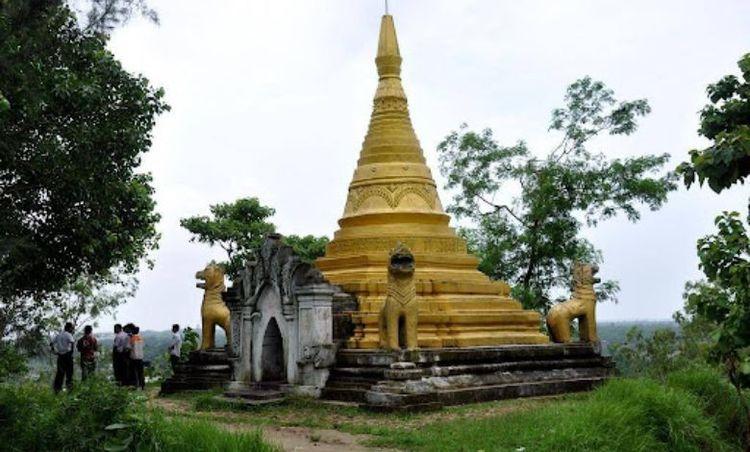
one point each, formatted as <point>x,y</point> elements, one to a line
<point>398,319</point>
<point>582,306</point>
<point>213,310</point>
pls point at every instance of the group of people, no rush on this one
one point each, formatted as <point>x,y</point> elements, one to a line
<point>127,354</point>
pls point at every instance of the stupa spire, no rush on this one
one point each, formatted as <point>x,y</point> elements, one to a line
<point>388,59</point>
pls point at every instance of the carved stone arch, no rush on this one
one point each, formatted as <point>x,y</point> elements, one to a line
<point>269,309</point>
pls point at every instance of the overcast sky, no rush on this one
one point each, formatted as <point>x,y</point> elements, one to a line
<point>272,99</point>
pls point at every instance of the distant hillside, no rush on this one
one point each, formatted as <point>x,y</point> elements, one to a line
<point>614,332</point>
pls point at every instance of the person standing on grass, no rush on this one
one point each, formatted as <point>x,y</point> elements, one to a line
<point>128,377</point>
<point>88,347</point>
<point>119,352</point>
<point>175,347</point>
<point>62,346</point>
<point>136,358</point>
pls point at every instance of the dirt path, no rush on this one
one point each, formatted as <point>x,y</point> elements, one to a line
<point>287,438</point>
<point>309,439</point>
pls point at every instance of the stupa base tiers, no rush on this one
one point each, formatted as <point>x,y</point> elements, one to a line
<point>372,341</point>
<point>431,378</point>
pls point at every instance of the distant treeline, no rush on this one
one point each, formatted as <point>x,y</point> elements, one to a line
<point>614,332</point>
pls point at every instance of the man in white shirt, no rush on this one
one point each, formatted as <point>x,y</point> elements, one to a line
<point>120,352</point>
<point>136,358</point>
<point>62,346</point>
<point>175,347</point>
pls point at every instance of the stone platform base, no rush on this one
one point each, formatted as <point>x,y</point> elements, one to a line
<point>205,369</point>
<point>254,394</point>
<point>428,379</point>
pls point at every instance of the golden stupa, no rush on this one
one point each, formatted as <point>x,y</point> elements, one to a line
<point>393,198</point>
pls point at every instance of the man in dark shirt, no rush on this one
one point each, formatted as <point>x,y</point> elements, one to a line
<point>87,346</point>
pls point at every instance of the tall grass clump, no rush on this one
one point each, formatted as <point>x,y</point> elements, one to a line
<point>625,414</point>
<point>32,417</point>
<point>97,415</point>
<point>178,435</point>
<point>718,398</point>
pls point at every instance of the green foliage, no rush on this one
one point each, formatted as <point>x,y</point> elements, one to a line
<point>308,247</point>
<point>35,419</point>
<point>236,227</point>
<point>177,435</point>
<point>633,414</point>
<point>664,351</point>
<point>240,227</point>
<point>190,342</point>
<point>533,239</point>
<point>73,129</point>
<point>97,415</point>
<point>724,299</point>
<point>718,398</point>
<point>726,122</point>
<point>12,361</point>
<point>105,15</point>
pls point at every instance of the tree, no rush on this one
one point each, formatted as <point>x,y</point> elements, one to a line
<point>240,227</point>
<point>532,239</point>
<point>722,301</point>
<point>73,128</point>
<point>725,300</point>
<point>308,247</point>
<point>726,122</point>
<point>30,322</point>
<point>237,227</point>
<point>105,15</point>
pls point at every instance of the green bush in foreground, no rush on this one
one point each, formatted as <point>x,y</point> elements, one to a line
<point>99,416</point>
<point>623,415</point>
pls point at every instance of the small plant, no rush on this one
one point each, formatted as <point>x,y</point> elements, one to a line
<point>190,341</point>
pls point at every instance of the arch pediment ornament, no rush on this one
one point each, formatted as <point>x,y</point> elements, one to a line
<point>392,194</point>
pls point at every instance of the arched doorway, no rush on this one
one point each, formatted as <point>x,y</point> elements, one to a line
<point>272,358</point>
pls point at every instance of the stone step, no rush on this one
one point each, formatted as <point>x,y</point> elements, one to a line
<point>405,402</point>
<point>344,394</point>
<point>358,372</point>
<point>349,385</point>
<point>250,402</point>
<point>254,394</point>
<point>516,390</point>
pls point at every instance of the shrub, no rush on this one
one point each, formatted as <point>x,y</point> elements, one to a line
<point>33,418</point>
<point>12,361</point>
<point>718,398</point>
<point>97,415</point>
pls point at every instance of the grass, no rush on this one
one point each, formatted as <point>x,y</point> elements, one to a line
<point>624,415</point>
<point>695,410</point>
<point>311,413</point>
<point>97,415</point>
<point>180,435</point>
